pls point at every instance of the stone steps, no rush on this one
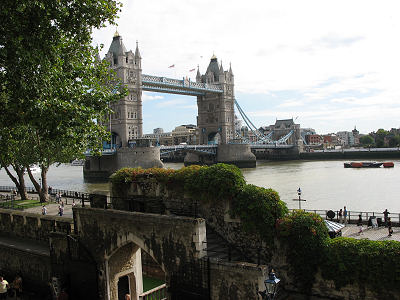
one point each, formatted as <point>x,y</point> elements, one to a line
<point>218,247</point>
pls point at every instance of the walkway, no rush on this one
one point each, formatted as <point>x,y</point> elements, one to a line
<point>374,234</point>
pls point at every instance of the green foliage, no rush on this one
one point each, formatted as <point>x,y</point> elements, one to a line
<point>374,264</point>
<point>202,183</point>
<point>258,209</point>
<point>53,89</point>
<point>367,140</point>
<point>305,235</point>
<point>215,182</point>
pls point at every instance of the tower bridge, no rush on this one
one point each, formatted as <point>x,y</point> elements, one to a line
<point>216,102</point>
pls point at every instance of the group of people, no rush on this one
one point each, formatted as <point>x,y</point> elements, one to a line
<point>387,221</point>
<point>343,216</point>
<point>13,290</point>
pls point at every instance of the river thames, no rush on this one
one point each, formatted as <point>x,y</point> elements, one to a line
<point>324,184</point>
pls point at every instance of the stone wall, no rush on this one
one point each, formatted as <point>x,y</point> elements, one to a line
<point>35,269</point>
<point>32,226</point>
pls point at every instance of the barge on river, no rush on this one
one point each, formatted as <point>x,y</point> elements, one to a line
<point>368,164</point>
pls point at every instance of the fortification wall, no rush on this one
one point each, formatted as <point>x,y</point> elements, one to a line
<point>32,226</point>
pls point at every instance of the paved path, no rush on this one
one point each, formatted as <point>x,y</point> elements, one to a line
<point>375,234</point>
<point>52,210</point>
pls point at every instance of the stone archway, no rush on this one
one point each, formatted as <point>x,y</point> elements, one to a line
<point>214,138</point>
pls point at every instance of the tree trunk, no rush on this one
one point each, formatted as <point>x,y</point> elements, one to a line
<point>20,182</point>
<point>21,187</point>
<point>41,189</point>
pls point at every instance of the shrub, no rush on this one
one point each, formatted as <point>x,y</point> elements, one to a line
<point>375,264</point>
<point>258,209</point>
<point>305,235</point>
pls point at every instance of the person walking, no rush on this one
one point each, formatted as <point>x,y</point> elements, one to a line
<point>44,210</point>
<point>345,215</point>
<point>340,216</point>
<point>385,217</point>
<point>3,288</point>
<point>360,225</point>
<point>60,210</point>
<point>17,286</point>
<point>389,225</point>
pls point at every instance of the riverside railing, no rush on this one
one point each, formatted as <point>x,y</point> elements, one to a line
<point>352,216</point>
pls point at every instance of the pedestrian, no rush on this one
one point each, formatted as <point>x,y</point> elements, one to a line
<point>17,286</point>
<point>62,204</point>
<point>341,216</point>
<point>345,215</point>
<point>360,225</point>
<point>389,225</point>
<point>50,190</point>
<point>127,297</point>
<point>73,202</point>
<point>63,295</point>
<point>44,210</point>
<point>3,288</point>
<point>58,197</point>
<point>60,210</point>
<point>385,217</point>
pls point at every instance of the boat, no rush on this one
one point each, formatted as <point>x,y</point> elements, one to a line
<point>78,162</point>
<point>388,164</point>
<point>364,164</point>
<point>34,169</point>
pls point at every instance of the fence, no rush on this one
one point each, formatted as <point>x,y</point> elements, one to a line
<point>158,293</point>
<point>352,216</point>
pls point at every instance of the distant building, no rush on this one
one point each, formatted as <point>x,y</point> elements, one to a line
<point>346,138</point>
<point>185,134</point>
<point>314,139</point>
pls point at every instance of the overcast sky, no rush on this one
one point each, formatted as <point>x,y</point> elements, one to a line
<point>332,64</point>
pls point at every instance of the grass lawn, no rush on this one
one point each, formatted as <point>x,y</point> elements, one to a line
<point>150,283</point>
<point>20,204</point>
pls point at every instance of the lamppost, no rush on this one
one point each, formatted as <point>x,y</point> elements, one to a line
<point>271,286</point>
<point>299,194</point>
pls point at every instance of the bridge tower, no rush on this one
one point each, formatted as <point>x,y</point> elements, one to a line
<point>126,122</point>
<point>216,112</point>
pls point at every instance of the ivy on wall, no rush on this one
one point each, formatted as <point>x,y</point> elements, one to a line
<point>346,261</point>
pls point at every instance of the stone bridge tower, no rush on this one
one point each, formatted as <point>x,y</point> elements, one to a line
<point>126,123</point>
<point>216,112</point>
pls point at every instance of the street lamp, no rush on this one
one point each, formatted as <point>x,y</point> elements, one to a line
<point>299,194</point>
<point>271,286</point>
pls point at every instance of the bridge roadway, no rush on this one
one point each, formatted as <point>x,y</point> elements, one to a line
<point>175,86</point>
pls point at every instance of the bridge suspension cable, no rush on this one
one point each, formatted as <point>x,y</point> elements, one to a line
<point>261,137</point>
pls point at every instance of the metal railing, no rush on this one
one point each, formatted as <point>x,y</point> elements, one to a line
<point>158,293</point>
<point>352,216</point>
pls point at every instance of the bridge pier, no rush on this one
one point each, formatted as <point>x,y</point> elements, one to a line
<point>236,154</point>
<point>100,168</point>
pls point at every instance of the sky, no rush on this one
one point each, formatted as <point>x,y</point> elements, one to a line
<point>330,65</point>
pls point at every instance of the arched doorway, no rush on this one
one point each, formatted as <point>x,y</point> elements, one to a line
<point>125,272</point>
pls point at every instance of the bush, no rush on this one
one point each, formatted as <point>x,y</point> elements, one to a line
<point>258,209</point>
<point>305,235</point>
<point>375,264</point>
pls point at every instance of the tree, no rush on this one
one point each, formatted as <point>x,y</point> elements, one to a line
<point>52,87</point>
<point>366,140</point>
<point>380,137</point>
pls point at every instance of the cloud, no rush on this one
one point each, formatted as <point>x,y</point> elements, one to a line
<point>329,54</point>
<point>146,97</point>
<point>172,102</point>
<point>291,103</point>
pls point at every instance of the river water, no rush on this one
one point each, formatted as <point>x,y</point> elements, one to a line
<point>324,184</point>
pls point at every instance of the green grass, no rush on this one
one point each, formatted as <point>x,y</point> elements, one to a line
<point>20,204</point>
<point>150,283</point>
